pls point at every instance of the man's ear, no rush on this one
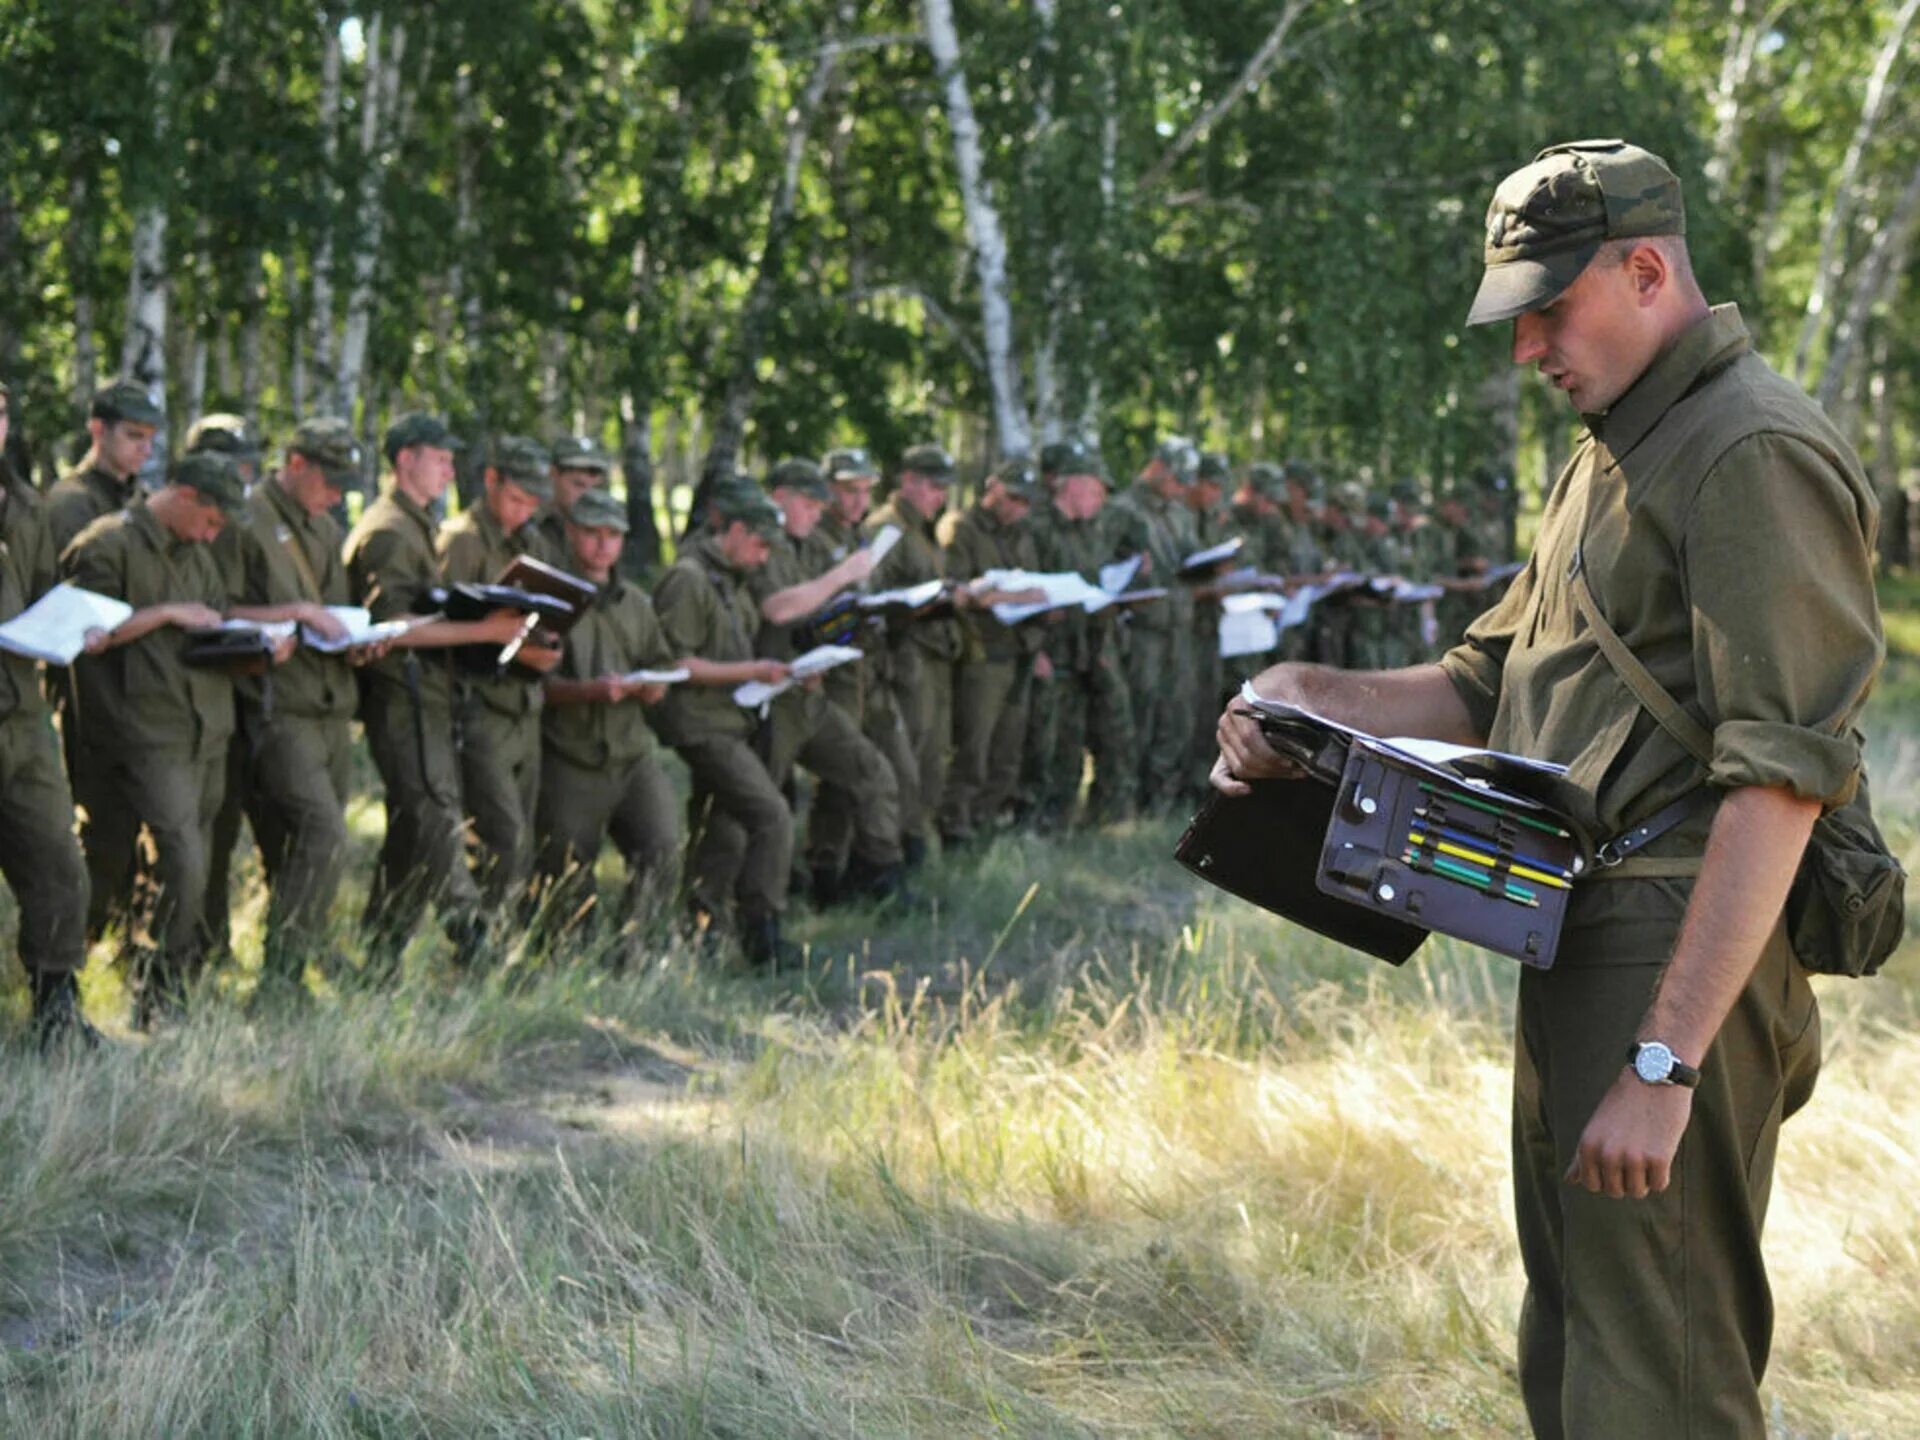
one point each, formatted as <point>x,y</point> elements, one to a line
<point>1648,273</point>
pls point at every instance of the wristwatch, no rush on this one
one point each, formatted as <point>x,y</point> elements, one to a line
<point>1656,1064</point>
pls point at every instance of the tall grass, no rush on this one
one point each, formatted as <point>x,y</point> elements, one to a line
<point>1074,1149</point>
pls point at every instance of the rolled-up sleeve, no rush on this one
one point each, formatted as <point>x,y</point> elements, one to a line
<point>1476,664</point>
<point>1778,564</point>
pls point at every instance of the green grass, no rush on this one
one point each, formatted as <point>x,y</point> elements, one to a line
<point>1076,1149</point>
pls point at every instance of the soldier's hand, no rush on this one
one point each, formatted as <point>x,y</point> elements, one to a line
<point>370,652</point>
<point>814,684</point>
<point>502,626</point>
<point>1042,666</point>
<point>1627,1149</point>
<point>96,640</point>
<point>611,689</point>
<point>651,694</point>
<point>284,647</point>
<point>540,658</point>
<point>189,616</point>
<point>769,672</point>
<point>857,566</point>
<point>1245,754</point>
<point>323,622</point>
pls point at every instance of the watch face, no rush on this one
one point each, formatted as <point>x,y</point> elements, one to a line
<point>1653,1063</point>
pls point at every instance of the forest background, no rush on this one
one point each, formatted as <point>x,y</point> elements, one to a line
<point>713,233</point>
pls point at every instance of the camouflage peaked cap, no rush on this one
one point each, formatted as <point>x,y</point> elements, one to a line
<point>1550,218</point>
<point>1348,495</point>
<point>803,477</point>
<point>124,400</point>
<point>418,428</point>
<point>1266,478</point>
<point>1018,478</point>
<point>1215,466</point>
<point>852,463</point>
<point>525,462</point>
<point>1071,457</point>
<point>740,499</point>
<point>599,509</point>
<point>1180,456</point>
<point>932,461</point>
<point>577,452</point>
<point>214,476</point>
<point>329,443</point>
<point>229,434</point>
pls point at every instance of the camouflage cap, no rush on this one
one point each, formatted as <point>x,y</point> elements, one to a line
<point>852,463</point>
<point>1215,466</point>
<point>577,452</point>
<point>1267,479</point>
<point>228,434</point>
<point>419,428</point>
<point>1379,505</point>
<point>1071,457</point>
<point>599,509</point>
<point>1549,219</point>
<point>740,499</point>
<point>1018,478</point>
<point>215,476</point>
<point>524,462</point>
<point>329,443</point>
<point>1348,495</point>
<point>932,461</point>
<point>124,400</point>
<point>1409,492</point>
<point>1181,458</point>
<point>1299,472</point>
<point>803,477</point>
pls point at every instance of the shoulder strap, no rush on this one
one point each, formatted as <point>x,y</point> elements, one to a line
<point>1658,700</point>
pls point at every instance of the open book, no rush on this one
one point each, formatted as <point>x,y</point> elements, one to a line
<point>54,628</point>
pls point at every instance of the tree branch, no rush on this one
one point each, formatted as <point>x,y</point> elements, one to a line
<point>935,311</point>
<point>1263,61</point>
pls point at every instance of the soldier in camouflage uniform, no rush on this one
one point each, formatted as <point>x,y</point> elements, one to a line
<point>1214,523</point>
<point>406,699</point>
<point>736,873</point>
<point>805,727</point>
<point>1160,668</point>
<point>995,677</point>
<point>864,691</point>
<point>922,649</point>
<point>578,466</point>
<point>38,852</point>
<point>1082,703</point>
<point>498,714</point>
<point>600,771</point>
<point>153,727</point>
<point>1342,548</point>
<point>281,559</point>
<point>123,421</point>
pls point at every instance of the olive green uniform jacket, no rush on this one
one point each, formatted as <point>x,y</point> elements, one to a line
<point>993,691</point>
<point>1727,532</point>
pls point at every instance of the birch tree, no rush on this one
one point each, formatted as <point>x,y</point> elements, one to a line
<point>323,373</point>
<point>1012,430</point>
<point>379,139</point>
<point>143,355</point>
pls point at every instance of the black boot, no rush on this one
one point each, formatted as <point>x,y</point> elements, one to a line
<point>826,888</point>
<point>868,881</point>
<point>760,941</point>
<point>913,851</point>
<point>57,1017</point>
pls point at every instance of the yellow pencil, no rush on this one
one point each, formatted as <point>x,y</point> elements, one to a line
<point>1525,872</point>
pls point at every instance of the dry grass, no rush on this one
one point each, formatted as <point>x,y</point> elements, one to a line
<point>1075,1151</point>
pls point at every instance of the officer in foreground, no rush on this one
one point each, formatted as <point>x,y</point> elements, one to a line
<point>1719,524</point>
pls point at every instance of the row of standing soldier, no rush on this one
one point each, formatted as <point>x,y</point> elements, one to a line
<point>502,787</point>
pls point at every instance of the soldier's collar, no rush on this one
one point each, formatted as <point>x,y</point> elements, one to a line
<point>1700,352</point>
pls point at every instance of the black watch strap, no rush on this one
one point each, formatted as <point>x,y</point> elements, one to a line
<point>1678,1071</point>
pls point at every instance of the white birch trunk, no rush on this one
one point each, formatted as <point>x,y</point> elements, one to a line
<point>1832,263</point>
<point>320,309</point>
<point>379,102</point>
<point>1883,264</point>
<point>254,305</point>
<point>463,288</point>
<point>1012,433</point>
<point>143,356</point>
<point>1109,193</point>
<point>1736,64</point>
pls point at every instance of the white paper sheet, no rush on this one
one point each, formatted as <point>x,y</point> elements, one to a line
<point>361,630</point>
<point>655,677</point>
<point>756,694</point>
<point>884,539</point>
<point>1118,576</point>
<point>54,628</point>
<point>1214,554</point>
<point>911,596</point>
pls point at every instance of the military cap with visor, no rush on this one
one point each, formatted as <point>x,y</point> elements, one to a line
<point>329,443</point>
<point>1348,495</point>
<point>1266,478</point>
<point>1180,456</point>
<point>124,400</point>
<point>1549,219</point>
<point>851,463</point>
<point>214,476</point>
<point>418,428</point>
<point>577,452</point>
<point>227,434</point>
<point>599,509</point>
<point>932,461</point>
<point>740,499</point>
<point>1071,457</point>
<point>1215,466</point>
<point>803,477</point>
<point>1018,478</point>
<point>524,462</point>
